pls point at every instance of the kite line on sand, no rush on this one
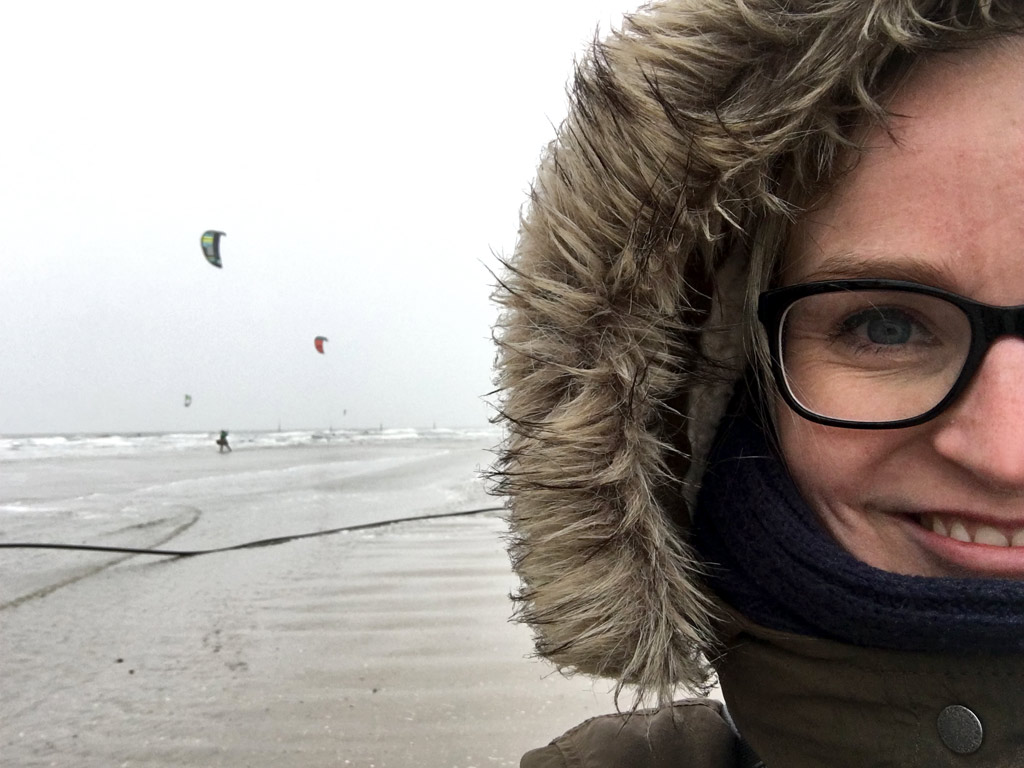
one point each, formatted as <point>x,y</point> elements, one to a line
<point>248,545</point>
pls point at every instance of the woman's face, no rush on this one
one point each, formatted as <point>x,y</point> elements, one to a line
<point>943,206</point>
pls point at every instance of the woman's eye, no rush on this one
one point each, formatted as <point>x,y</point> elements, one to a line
<point>883,326</point>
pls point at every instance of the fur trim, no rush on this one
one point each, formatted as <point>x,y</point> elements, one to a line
<point>692,133</point>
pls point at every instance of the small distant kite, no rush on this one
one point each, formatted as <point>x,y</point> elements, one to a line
<point>211,246</point>
<point>188,400</point>
<point>318,342</point>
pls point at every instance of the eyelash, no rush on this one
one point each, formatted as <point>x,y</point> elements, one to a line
<point>847,331</point>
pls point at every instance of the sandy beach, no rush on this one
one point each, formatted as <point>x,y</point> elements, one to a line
<point>382,648</point>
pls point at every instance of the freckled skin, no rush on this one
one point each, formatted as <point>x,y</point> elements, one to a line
<point>947,201</point>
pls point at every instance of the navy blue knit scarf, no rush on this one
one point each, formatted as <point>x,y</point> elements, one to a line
<point>779,568</point>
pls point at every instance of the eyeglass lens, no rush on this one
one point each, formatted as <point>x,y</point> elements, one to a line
<point>872,355</point>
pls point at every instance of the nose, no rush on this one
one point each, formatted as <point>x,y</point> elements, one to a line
<point>984,430</point>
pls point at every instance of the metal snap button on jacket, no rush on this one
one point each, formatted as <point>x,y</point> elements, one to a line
<point>960,729</point>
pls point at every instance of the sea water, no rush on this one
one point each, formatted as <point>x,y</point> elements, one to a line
<point>21,447</point>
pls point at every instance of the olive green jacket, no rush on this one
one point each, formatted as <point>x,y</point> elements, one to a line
<point>801,702</point>
<point>694,733</point>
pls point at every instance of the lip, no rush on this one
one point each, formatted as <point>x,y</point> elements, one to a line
<point>968,558</point>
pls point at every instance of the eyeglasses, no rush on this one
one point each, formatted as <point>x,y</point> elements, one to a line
<point>877,354</point>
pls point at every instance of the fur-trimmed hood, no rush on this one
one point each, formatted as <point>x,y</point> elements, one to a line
<point>693,135</point>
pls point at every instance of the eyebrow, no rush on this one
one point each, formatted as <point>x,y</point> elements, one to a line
<point>898,266</point>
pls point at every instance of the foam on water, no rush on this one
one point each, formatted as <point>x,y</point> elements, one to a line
<point>21,447</point>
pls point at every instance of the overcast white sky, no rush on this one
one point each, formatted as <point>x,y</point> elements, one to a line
<point>365,160</point>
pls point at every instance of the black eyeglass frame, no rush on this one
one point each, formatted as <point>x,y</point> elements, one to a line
<point>987,323</point>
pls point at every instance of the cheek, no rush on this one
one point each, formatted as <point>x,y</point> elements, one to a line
<point>829,465</point>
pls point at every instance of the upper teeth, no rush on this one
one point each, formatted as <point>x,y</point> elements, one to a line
<point>974,533</point>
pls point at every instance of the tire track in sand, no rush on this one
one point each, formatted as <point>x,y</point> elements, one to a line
<point>92,571</point>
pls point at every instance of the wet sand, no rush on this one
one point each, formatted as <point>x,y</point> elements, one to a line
<point>388,647</point>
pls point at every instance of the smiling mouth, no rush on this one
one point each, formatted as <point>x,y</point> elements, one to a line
<point>971,532</point>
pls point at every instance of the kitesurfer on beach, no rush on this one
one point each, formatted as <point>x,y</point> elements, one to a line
<point>762,374</point>
<point>222,441</point>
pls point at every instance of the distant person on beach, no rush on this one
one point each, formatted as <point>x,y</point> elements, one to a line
<point>762,377</point>
<point>222,441</point>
